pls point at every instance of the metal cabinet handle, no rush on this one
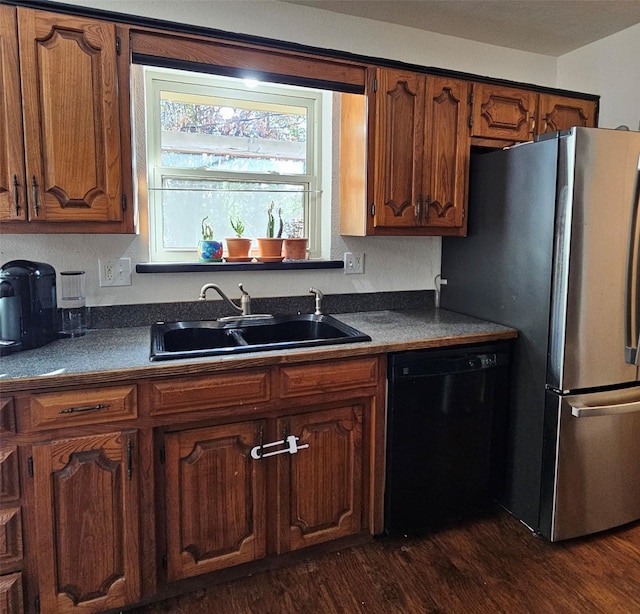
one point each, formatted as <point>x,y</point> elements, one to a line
<point>419,208</point>
<point>291,440</point>
<point>34,189</point>
<point>16,194</point>
<point>606,410</point>
<point>77,410</point>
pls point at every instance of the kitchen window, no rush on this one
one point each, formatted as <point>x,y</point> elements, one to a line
<point>225,148</point>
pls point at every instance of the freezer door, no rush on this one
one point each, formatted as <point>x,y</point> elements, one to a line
<point>595,296</point>
<point>597,464</point>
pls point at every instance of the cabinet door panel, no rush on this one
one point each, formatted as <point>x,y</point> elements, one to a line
<point>503,112</point>
<point>12,191</point>
<point>560,113</point>
<point>71,117</point>
<point>86,502</point>
<point>215,499</point>
<point>400,128</point>
<point>447,146</point>
<point>320,487</point>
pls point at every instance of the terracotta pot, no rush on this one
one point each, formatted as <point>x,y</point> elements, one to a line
<point>237,249</point>
<point>270,248</point>
<point>294,249</point>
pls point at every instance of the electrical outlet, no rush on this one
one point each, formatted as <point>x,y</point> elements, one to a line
<point>115,272</point>
<point>353,263</point>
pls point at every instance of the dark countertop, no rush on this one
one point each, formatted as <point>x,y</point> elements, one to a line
<point>114,355</point>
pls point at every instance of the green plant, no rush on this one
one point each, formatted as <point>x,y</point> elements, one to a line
<point>207,229</point>
<point>271,222</point>
<point>238,226</point>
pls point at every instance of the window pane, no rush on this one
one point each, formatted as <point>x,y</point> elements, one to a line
<point>185,202</point>
<point>218,133</point>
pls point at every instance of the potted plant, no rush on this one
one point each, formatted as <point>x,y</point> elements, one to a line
<point>270,246</point>
<point>294,246</point>
<point>209,250</point>
<point>237,247</point>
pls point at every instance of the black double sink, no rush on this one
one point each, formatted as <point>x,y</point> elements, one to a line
<point>170,340</point>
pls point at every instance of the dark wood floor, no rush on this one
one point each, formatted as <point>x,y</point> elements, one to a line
<point>494,565</point>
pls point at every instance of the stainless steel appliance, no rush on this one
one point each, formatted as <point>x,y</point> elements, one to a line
<point>28,310</point>
<point>445,435</point>
<point>553,250</point>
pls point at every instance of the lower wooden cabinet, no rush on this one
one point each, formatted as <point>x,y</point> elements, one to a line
<point>193,475</point>
<point>87,523</point>
<point>215,499</point>
<point>320,488</point>
<point>220,504</point>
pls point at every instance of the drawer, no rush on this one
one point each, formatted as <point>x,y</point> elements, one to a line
<point>11,593</point>
<point>11,552</point>
<point>328,377</point>
<point>214,391</point>
<point>7,417</point>
<point>78,407</point>
<point>9,476</point>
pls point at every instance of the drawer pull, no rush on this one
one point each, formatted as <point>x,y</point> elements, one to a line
<point>77,410</point>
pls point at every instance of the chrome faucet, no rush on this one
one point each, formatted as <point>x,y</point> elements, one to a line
<point>319,297</point>
<point>245,299</point>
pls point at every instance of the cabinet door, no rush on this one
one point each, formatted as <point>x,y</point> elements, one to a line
<point>398,152</point>
<point>320,489</point>
<point>215,493</point>
<point>12,189</point>
<point>446,154</point>
<point>71,117</point>
<point>503,112</point>
<point>561,113</point>
<point>86,514</point>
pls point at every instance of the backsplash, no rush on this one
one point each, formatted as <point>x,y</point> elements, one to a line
<point>126,316</point>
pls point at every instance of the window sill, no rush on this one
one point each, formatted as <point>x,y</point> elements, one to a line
<point>219,267</point>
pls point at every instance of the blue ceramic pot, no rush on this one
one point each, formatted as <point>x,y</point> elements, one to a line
<point>210,251</point>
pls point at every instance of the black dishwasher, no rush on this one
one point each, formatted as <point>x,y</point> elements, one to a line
<point>445,435</point>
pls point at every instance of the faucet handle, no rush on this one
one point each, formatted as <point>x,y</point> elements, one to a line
<point>244,293</point>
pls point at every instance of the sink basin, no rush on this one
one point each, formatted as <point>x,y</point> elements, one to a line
<point>213,338</point>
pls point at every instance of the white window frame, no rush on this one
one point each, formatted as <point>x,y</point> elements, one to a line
<point>189,82</point>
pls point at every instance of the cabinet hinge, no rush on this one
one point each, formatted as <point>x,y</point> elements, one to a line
<point>375,85</point>
<point>36,604</point>
<point>123,201</point>
<point>372,209</point>
<point>164,562</point>
<point>129,460</point>
<point>162,457</point>
<point>118,47</point>
<point>470,98</point>
<point>470,121</point>
<point>30,466</point>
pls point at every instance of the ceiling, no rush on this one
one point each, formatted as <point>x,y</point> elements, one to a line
<point>550,27</point>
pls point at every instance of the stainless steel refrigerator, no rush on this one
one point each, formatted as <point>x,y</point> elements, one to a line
<point>554,251</point>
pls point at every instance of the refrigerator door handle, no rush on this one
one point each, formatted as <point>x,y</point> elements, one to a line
<point>632,290</point>
<point>605,410</point>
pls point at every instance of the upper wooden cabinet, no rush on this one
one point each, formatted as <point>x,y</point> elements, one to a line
<point>510,114</point>
<point>500,112</point>
<point>561,113</point>
<point>77,174</point>
<point>418,158</point>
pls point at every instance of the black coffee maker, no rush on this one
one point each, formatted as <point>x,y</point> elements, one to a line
<point>28,308</point>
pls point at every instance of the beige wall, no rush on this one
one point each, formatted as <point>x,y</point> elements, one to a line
<point>390,263</point>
